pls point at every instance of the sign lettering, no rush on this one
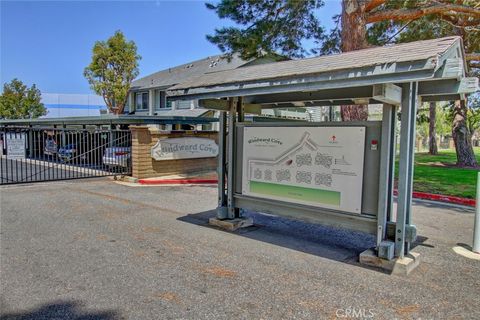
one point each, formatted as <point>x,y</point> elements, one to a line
<point>184,148</point>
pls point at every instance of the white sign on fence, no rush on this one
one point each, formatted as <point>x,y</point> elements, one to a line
<point>316,166</point>
<point>16,147</point>
<point>184,148</point>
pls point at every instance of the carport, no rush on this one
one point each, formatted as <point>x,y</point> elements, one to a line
<point>398,77</point>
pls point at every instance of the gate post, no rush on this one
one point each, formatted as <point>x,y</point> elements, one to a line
<point>140,138</point>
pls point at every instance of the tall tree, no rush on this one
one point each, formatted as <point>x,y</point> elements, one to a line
<point>378,22</point>
<point>466,120</point>
<point>461,136</point>
<point>264,27</point>
<point>464,22</point>
<point>21,102</point>
<point>473,117</point>
<point>113,67</point>
<point>432,132</point>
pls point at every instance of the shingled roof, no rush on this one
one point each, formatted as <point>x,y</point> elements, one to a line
<point>430,50</point>
<point>184,72</point>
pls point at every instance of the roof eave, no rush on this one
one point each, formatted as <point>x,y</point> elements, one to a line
<point>145,88</point>
<point>379,74</point>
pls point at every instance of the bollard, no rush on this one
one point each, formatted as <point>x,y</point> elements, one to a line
<point>476,225</point>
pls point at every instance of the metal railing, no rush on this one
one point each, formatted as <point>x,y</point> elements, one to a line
<point>44,154</point>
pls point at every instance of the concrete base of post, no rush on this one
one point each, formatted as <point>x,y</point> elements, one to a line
<point>467,252</point>
<point>395,266</point>
<point>231,224</point>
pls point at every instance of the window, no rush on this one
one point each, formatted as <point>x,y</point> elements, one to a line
<point>160,101</point>
<point>184,104</point>
<point>141,101</point>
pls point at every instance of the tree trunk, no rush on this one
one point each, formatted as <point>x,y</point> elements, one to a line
<point>354,112</point>
<point>461,136</point>
<point>432,132</point>
<point>353,35</point>
<point>354,23</point>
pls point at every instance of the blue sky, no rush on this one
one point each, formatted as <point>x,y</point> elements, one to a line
<point>49,43</point>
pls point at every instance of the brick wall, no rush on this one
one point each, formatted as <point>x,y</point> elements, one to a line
<point>144,166</point>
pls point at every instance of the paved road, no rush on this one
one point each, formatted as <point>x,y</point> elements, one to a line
<point>95,249</point>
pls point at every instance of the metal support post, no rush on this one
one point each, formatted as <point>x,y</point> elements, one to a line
<point>63,137</point>
<point>232,116</point>
<point>405,176</point>
<point>30,142</point>
<point>240,110</point>
<point>222,139</point>
<point>476,226</point>
<point>241,118</point>
<point>390,213</point>
<point>387,156</point>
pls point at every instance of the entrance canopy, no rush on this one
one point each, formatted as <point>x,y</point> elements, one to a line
<point>395,76</point>
<point>357,77</point>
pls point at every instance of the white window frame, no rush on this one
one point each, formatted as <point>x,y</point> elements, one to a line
<point>160,105</point>
<point>142,108</point>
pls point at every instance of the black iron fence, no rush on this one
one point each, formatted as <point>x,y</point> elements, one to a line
<point>43,154</point>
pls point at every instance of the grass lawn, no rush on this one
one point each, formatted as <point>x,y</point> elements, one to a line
<point>437,174</point>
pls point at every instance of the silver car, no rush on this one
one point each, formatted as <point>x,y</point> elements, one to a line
<point>117,157</point>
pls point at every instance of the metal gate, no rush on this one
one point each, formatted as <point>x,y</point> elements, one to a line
<point>45,154</point>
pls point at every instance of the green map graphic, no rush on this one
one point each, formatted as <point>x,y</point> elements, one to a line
<point>297,193</point>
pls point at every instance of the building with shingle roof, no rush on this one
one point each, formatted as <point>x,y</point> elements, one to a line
<point>147,95</point>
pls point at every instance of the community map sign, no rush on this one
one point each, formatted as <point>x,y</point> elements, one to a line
<point>317,166</point>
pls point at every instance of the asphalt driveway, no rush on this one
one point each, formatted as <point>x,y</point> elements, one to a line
<point>95,249</point>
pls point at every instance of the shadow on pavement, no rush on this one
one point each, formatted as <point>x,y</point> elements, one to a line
<point>421,242</point>
<point>59,310</point>
<point>323,241</point>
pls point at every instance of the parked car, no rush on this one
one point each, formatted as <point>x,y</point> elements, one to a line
<point>70,152</point>
<point>51,147</point>
<point>117,157</point>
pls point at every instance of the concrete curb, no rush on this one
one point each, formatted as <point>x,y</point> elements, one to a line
<point>416,195</point>
<point>442,198</point>
<point>176,181</point>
